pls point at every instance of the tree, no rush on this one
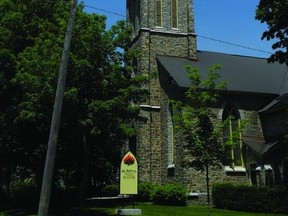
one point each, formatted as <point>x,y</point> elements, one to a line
<point>22,25</point>
<point>275,15</point>
<point>104,92</point>
<point>99,100</point>
<point>199,126</point>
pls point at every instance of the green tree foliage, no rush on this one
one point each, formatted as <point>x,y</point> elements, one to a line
<point>101,90</point>
<point>198,123</point>
<point>275,15</point>
<point>25,26</point>
<point>199,126</point>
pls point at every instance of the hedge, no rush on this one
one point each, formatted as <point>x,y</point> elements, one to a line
<point>250,198</point>
<point>145,191</point>
<point>170,194</point>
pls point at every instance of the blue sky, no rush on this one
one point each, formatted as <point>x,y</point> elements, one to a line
<point>229,21</point>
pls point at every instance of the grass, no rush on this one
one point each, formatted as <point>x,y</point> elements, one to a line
<point>157,210</point>
<point>149,209</point>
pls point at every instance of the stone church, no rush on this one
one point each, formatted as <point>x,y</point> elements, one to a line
<point>257,91</point>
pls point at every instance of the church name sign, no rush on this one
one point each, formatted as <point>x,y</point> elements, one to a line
<point>129,174</point>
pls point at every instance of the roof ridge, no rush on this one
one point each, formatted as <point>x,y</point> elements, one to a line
<point>231,54</point>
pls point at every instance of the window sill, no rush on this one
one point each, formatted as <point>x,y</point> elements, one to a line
<point>235,169</point>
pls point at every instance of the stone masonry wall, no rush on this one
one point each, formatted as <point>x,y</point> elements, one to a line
<point>145,9</point>
<point>196,180</point>
<point>153,41</point>
<point>150,136</point>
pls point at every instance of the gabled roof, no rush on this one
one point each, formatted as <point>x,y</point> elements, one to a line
<point>280,102</point>
<point>242,73</point>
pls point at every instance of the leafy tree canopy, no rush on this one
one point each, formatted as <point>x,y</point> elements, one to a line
<point>275,15</point>
<point>101,90</point>
<point>199,124</point>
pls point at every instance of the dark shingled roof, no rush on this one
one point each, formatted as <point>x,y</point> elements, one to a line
<point>242,73</point>
<point>261,148</point>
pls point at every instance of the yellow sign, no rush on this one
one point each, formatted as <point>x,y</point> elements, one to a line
<point>129,174</point>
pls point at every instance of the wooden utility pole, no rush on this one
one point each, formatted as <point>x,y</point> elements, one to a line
<point>55,123</point>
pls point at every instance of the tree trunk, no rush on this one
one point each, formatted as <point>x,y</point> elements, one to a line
<point>85,167</point>
<point>208,190</point>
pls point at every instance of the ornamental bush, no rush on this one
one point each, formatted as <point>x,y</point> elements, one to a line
<point>146,191</point>
<point>170,194</point>
<point>250,198</point>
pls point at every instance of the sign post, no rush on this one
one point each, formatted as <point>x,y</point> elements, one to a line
<point>128,181</point>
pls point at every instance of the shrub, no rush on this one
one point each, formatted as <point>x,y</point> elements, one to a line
<point>23,193</point>
<point>220,193</point>
<point>145,191</point>
<point>250,198</point>
<point>111,190</point>
<point>170,194</point>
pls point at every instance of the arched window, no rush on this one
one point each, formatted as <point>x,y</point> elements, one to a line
<point>170,136</point>
<point>159,12</point>
<point>231,114</point>
<point>170,142</point>
<point>174,14</point>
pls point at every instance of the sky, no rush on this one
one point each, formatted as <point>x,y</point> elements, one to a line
<point>225,26</point>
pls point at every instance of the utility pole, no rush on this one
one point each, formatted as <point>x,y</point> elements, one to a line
<point>55,123</point>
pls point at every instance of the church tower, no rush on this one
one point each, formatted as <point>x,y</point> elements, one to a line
<point>160,27</point>
<point>168,22</point>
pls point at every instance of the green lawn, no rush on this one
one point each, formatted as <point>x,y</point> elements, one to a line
<point>156,210</point>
